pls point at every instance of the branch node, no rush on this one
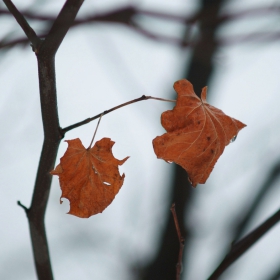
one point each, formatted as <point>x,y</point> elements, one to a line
<point>61,132</point>
<point>36,48</point>
<point>22,206</point>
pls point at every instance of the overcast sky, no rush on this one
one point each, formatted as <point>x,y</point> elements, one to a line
<point>101,66</point>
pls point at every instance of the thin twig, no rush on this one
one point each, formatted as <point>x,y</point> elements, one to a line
<point>244,244</point>
<point>143,97</point>
<point>179,266</point>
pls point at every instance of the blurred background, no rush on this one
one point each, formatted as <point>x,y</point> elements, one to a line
<point>117,51</point>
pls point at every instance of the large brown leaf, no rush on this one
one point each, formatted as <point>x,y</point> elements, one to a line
<point>197,133</point>
<point>89,178</point>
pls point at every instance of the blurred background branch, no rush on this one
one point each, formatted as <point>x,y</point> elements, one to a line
<point>130,16</point>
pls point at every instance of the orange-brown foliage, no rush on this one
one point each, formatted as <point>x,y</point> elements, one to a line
<point>89,178</point>
<point>197,133</point>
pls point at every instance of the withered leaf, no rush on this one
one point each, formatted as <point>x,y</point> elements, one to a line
<point>89,178</point>
<point>197,133</point>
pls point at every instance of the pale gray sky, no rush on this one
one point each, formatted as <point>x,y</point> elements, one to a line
<point>99,67</point>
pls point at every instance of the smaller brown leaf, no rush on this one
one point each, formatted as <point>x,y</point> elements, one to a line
<point>89,178</point>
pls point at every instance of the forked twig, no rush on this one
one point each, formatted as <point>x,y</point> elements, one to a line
<point>179,265</point>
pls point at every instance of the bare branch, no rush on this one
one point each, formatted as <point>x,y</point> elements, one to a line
<point>261,195</point>
<point>239,248</point>
<point>143,97</point>
<point>45,52</point>
<point>275,275</point>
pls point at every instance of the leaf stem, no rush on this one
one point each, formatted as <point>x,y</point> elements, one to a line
<point>95,132</point>
<point>143,97</point>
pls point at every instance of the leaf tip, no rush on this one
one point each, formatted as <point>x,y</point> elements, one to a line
<point>184,86</point>
<point>124,160</point>
<point>58,170</point>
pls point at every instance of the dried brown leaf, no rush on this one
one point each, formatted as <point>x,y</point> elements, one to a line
<point>197,133</point>
<point>89,178</point>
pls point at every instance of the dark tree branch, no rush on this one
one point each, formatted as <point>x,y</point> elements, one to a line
<point>244,244</point>
<point>275,275</point>
<point>52,134</point>
<point>61,25</point>
<point>29,32</point>
<point>261,195</point>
